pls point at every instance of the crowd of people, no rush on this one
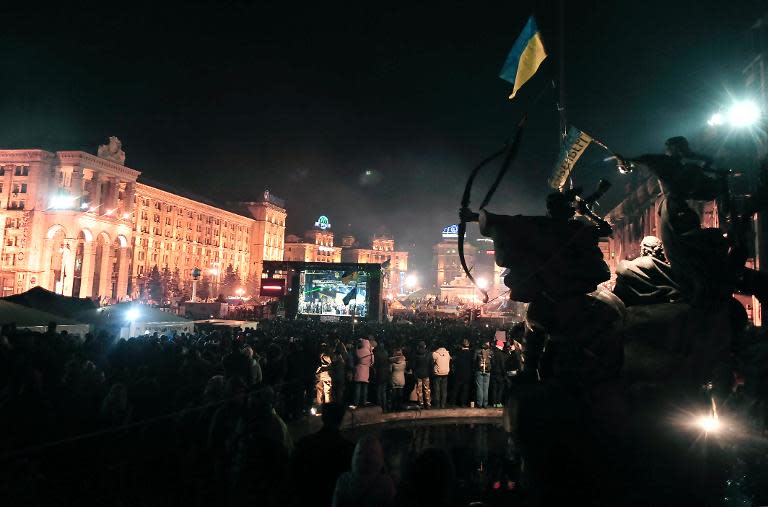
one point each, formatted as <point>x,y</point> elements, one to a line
<point>205,416</point>
<point>476,374</point>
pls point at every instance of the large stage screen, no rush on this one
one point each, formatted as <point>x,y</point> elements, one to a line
<point>333,292</point>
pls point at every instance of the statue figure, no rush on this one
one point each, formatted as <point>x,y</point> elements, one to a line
<point>112,151</point>
<point>555,264</point>
<point>708,265</point>
<point>573,348</point>
<point>648,279</point>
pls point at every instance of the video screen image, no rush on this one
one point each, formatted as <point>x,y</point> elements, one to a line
<point>329,292</point>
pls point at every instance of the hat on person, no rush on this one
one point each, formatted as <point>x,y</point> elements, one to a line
<point>465,343</point>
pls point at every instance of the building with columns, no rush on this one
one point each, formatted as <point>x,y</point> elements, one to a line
<point>80,225</point>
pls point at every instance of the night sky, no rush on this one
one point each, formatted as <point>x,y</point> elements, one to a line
<point>371,114</point>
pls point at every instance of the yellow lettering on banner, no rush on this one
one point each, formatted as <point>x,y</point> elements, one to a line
<point>576,150</point>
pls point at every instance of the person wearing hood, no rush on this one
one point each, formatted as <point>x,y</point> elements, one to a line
<point>482,374</point>
<point>441,367</point>
<point>421,367</point>
<point>366,483</point>
<point>397,378</point>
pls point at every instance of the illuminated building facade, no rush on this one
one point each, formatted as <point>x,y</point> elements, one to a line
<point>81,225</point>
<point>446,258</point>
<point>452,282</point>
<point>382,250</point>
<point>180,233</point>
<point>268,232</point>
<point>316,246</point>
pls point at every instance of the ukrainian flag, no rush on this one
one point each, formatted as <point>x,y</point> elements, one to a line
<point>525,57</point>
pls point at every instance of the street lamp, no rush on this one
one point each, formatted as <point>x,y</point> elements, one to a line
<point>411,281</point>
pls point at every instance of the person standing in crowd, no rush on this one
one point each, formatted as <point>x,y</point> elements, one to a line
<point>512,364</point>
<point>482,374</point>
<point>421,367</point>
<point>382,369</point>
<point>397,378</point>
<point>255,365</point>
<point>498,372</point>
<point>323,381</point>
<point>320,458</point>
<point>462,374</point>
<point>338,371</point>
<point>441,363</point>
<point>300,377</point>
<point>363,363</point>
<point>366,483</point>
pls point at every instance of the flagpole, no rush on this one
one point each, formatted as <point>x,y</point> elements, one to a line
<point>561,100</point>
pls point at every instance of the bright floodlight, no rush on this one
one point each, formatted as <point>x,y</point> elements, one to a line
<point>482,283</point>
<point>132,314</point>
<point>716,120</point>
<point>61,202</point>
<point>708,423</point>
<point>411,281</point>
<point>743,114</point>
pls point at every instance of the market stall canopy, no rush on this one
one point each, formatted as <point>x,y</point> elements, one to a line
<point>24,317</point>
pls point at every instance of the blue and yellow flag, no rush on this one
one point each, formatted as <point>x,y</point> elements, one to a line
<point>525,57</point>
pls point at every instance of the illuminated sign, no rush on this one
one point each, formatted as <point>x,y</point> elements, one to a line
<point>323,223</point>
<point>272,287</point>
<point>452,231</point>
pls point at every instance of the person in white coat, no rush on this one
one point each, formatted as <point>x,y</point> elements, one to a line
<point>441,367</point>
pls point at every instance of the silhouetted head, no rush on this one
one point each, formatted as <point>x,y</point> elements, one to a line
<point>677,147</point>
<point>560,206</point>
<point>368,457</point>
<point>333,414</point>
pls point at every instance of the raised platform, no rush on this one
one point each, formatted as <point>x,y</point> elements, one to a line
<point>365,416</point>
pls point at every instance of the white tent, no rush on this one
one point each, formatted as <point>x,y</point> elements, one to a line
<point>24,317</point>
<point>132,319</point>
